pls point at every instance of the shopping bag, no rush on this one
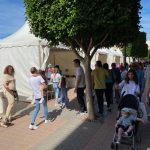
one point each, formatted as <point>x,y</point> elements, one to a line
<point>144,112</point>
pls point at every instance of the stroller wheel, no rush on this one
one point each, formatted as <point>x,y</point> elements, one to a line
<point>116,147</point>
<point>139,140</point>
<point>133,148</point>
<point>112,145</point>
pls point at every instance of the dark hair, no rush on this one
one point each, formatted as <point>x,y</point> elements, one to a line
<point>57,66</point>
<point>113,65</point>
<point>135,79</point>
<point>7,68</point>
<point>33,70</point>
<point>42,73</point>
<point>98,63</point>
<point>105,66</point>
<point>77,61</point>
<point>63,82</point>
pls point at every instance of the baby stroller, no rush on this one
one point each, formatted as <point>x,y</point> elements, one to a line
<point>131,102</point>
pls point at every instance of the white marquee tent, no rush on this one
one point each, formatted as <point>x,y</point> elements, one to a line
<point>23,50</point>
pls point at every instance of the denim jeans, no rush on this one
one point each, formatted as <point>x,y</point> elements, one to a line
<point>63,97</point>
<point>56,92</point>
<point>37,109</point>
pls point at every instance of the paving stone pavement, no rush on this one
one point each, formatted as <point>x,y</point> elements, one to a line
<point>66,130</point>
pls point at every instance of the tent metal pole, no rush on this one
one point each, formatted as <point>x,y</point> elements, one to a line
<point>39,48</point>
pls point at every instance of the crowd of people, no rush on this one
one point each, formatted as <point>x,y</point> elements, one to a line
<point>109,83</point>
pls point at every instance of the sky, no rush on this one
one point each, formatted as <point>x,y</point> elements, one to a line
<point>12,17</point>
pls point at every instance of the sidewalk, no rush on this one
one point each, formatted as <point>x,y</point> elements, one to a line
<point>66,130</point>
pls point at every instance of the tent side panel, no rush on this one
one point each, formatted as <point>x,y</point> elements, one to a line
<point>64,59</point>
<point>22,59</point>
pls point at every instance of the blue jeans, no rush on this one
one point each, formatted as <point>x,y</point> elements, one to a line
<point>56,92</point>
<point>63,97</point>
<point>37,109</point>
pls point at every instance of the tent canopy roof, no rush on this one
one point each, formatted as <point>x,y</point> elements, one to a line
<point>23,37</point>
<point>111,51</point>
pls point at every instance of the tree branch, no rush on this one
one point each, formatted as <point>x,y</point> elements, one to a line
<point>77,54</point>
<point>80,45</point>
<point>90,45</point>
<point>97,46</point>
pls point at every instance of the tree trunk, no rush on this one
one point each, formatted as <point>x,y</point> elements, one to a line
<point>124,58</point>
<point>89,95</point>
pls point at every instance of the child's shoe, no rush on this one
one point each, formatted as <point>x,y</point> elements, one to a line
<point>41,101</point>
<point>118,141</point>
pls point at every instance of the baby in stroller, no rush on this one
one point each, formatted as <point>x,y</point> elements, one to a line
<point>126,123</point>
<point>129,116</point>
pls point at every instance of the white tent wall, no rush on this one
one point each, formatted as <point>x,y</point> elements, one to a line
<point>22,59</point>
<point>107,56</point>
<point>23,50</point>
<point>63,58</point>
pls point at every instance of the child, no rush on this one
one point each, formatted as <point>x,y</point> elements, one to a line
<point>42,87</point>
<point>50,71</point>
<point>126,123</point>
<point>63,91</point>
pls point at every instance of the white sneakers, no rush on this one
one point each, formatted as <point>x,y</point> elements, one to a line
<point>41,101</point>
<point>3,125</point>
<point>118,141</point>
<point>33,127</point>
<point>46,121</point>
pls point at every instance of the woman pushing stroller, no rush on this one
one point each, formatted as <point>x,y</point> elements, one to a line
<point>130,84</point>
<point>128,108</point>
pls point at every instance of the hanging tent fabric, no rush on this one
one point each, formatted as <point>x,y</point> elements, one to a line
<point>23,50</point>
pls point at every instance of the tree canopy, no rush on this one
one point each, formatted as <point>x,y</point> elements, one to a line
<point>138,48</point>
<point>84,24</point>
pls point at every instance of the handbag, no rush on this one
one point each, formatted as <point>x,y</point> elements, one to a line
<point>15,94</point>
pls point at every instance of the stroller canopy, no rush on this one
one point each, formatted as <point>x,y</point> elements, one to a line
<point>129,101</point>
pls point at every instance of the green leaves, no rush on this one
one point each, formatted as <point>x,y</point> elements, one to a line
<point>67,20</point>
<point>138,48</point>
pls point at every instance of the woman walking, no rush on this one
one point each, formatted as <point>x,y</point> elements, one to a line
<point>130,84</point>
<point>109,87</point>
<point>55,79</point>
<point>9,93</point>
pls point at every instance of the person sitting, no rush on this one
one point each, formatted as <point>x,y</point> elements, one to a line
<point>126,123</point>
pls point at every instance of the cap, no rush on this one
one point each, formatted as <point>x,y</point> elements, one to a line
<point>125,110</point>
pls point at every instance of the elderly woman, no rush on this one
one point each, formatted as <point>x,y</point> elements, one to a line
<point>9,93</point>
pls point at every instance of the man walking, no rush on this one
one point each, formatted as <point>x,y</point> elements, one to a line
<point>99,76</point>
<point>80,84</point>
